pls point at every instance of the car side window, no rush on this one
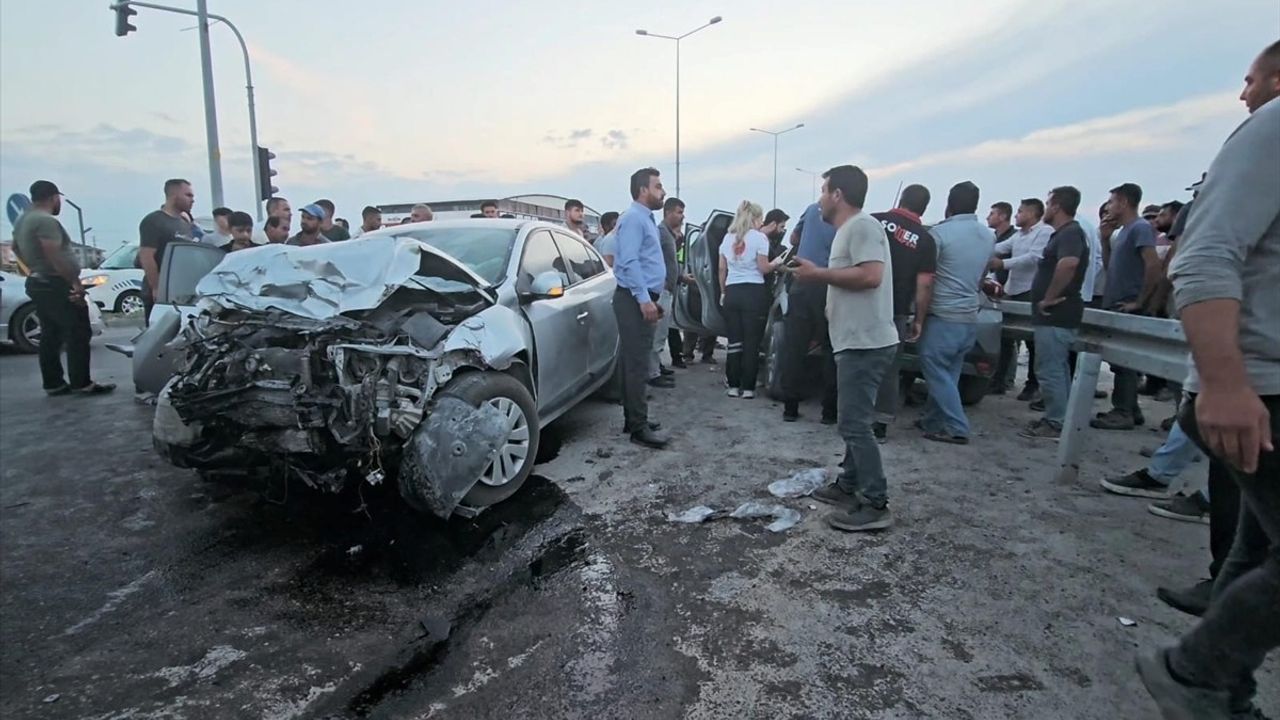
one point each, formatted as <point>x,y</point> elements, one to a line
<point>541,255</point>
<point>584,263</point>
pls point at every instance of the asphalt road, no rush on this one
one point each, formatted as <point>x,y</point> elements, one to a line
<point>135,590</point>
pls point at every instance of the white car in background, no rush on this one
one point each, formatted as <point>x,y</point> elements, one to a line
<point>19,325</point>
<point>116,285</point>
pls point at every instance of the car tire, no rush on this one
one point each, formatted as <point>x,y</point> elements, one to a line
<point>773,361</point>
<point>495,387</point>
<point>973,388</point>
<point>22,325</point>
<point>128,302</point>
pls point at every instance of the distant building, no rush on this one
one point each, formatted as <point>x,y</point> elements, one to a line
<point>87,256</point>
<point>534,207</point>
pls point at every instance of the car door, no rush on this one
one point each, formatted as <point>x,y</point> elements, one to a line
<point>182,268</point>
<point>687,303</point>
<point>703,258</point>
<point>559,324</point>
<point>595,284</point>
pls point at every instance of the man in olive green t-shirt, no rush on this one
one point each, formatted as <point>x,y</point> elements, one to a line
<point>42,245</point>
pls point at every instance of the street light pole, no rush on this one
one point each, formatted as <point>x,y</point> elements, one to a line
<point>814,175</point>
<point>210,113</point>
<point>210,106</point>
<point>776,135</point>
<point>677,39</point>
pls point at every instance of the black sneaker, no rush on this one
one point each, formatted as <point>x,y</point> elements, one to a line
<point>665,371</point>
<point>865,518</point>
<point>1192,601</point>
<point>1138,483</point>
<point>833,495</point>
<point>1041,430</point>
<point>881,431</point>
<point>1187,508</point>
<point>679,362</point>
<point>1028,393</point>
<point>1037,405</point>
<point>662,381</point>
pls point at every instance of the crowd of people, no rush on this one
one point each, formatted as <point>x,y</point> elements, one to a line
<point>861,285</point>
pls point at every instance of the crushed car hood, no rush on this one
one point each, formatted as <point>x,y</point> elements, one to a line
<point>323,281</point>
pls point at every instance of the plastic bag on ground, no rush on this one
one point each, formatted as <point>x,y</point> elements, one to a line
<point>800,484</point>
<point>784,517</point>
<point>692,515</point>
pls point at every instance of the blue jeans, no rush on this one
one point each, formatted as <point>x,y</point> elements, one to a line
<point>1175,455</point>
<point>943,346</point>
<point>858,377</point>
<point>1053,348</point>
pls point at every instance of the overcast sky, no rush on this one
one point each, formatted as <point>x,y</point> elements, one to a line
<point>416,100</point>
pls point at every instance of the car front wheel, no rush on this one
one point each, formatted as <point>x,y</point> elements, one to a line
<point>513,461</point>
<point>129,302</point>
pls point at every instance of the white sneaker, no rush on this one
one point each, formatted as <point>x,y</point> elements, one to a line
<point>734,392</point>
<point>749,395</point>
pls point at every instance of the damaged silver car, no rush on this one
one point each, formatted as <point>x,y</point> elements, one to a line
<point>429,355</point>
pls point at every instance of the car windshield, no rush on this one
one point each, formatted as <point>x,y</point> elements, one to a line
<point>122,259</point>
<point>483,250</point>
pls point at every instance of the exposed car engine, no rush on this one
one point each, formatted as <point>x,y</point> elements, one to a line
<point>319,399</point>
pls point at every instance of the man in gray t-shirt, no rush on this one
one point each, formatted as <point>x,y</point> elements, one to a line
<point>1225,276</point>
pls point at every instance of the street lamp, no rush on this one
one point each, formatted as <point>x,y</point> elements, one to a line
<point>814,175</point>
<point>776,135</point>
<point>678,38</point>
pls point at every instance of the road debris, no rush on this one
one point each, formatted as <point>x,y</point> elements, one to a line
<point>696,514</point>
<point>1127,622</point>
<point>801,484</point>
<point>53,698</point>
<point>784,517</point>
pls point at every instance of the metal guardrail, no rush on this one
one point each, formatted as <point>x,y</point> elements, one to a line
<point>1153,346</point>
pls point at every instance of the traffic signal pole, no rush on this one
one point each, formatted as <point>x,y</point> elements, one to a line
<point>215,167</point>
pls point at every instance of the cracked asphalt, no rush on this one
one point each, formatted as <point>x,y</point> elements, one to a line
<point>131,589</point>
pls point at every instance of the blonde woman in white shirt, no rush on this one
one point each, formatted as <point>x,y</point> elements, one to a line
<point>744,261</point>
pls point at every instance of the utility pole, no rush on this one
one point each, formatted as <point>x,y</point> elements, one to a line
<point>210,106</point>
<point>124,11</point>
<point>678,38</point>
<point>814,175</point>
<point>776,135</point>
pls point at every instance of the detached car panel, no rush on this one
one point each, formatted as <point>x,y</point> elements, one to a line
<point>430,356</point>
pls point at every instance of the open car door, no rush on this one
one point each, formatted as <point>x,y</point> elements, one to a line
<point>702,261</point>
<point>184,265</point>
<point>687,303</point>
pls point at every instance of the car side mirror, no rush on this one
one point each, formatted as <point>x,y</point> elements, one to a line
<point>547,285</point>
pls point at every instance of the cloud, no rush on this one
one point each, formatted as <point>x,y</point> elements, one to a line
<point>569,139</point>
<point>615,140</point>
<point>1138,131</point>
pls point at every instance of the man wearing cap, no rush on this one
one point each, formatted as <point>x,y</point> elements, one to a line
<point>330,228</point>
<point>312,218</point>
<point>42,244</point>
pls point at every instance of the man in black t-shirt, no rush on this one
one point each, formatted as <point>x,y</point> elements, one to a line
<point>1057,308</point>
<point>160,228</point>
<point>914,257</point>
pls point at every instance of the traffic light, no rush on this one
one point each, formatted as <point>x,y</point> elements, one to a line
<point>266,190</point>
<point>123,13</point>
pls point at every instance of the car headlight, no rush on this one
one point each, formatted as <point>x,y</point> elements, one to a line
<point>94,281</point>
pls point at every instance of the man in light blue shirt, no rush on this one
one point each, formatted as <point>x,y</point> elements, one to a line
<point>642,273</point>
<point>965,246</point>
